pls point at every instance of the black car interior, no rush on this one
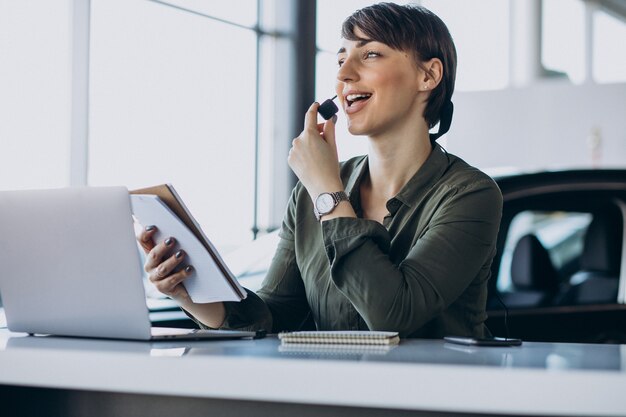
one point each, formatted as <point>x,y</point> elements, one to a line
<point>535,279</point>
<point>591,278</point>
<point>577,218</point>
<point>597,280</point>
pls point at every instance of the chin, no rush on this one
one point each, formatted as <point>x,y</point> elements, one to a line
<point>357,129</point>
<point>354,131</point>
<point>360,130</point>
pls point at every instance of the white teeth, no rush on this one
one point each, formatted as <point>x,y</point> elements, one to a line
<point>352,97</point>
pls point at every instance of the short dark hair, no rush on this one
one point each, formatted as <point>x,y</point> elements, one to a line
<point>413,29</point>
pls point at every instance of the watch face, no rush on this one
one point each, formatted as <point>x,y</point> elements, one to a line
<point>324,203</point>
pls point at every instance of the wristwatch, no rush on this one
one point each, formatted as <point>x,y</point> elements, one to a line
<point>326,202</point>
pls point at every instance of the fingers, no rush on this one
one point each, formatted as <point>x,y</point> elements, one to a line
<point>165,277</point>
<point>159,252</point>
<point>169,284</point>
<point>165,268</point>
<point>313,154</point>
<point>145,238</point>
<point>310,118</point>
<point>329,132</point>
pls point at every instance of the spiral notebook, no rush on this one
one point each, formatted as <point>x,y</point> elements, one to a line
<point>340,337</point>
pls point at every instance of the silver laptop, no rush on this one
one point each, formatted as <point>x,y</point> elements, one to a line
<point>70,266</point>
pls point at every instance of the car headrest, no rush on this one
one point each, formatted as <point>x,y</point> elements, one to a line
<point>602,249</point>
<point>531,267</point>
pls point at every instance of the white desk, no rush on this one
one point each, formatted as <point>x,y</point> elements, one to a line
<point>425,375</point>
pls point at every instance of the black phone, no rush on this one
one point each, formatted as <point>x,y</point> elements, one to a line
<point>484,341</point>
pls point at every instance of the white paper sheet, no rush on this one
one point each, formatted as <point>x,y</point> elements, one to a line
<point>207,284</point>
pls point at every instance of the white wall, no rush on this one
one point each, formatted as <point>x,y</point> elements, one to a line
<point>547,125</point>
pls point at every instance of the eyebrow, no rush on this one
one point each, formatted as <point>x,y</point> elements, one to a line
<point>361,43</point>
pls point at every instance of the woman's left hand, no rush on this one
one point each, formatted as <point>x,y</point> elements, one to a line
<point>313,155</point>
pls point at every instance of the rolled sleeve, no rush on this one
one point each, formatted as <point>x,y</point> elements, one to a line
<point>343,235</point>
<point>439,266</point>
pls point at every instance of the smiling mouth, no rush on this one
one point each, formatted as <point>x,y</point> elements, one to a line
<point>353,98</point>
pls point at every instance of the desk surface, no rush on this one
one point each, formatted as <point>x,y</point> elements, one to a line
<point>536,378</point>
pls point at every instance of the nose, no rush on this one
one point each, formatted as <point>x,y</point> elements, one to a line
<point>347,71</point>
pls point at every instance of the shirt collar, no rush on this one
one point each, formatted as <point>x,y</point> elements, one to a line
<point>357,175</point>
<point>429,173</point>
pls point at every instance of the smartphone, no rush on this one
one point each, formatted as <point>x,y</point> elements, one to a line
<point>486,341</point>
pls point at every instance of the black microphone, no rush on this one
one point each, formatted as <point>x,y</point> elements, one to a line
<point>328,109</point>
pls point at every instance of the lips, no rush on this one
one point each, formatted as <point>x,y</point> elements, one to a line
<point>355,100</point>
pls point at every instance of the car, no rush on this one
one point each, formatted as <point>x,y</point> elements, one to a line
<point>558,274</point>
<point>559,267</point>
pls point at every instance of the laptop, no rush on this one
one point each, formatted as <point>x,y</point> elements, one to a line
<point>70,266</point>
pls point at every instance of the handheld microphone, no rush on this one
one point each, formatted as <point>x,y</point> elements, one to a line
<point>328,109</point>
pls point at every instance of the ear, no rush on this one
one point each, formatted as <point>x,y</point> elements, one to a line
<point>431,75</point>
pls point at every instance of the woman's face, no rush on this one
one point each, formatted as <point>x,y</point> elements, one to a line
<point>377,86</point>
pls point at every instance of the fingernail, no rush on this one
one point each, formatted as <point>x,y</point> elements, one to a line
<point>334,119</point>
<point>149,228</point>
<point>169,241</point>
<point>189,269</point>
<point>179,254</point>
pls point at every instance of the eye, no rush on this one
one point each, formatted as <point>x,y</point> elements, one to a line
<point>371,54</point>
<point>340,61</point>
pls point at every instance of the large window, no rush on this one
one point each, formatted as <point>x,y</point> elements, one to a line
<point>35,83</point>
<point>563,38</point>
<point>173,100</point>
<point>609,59</point>
<point>584,40</point>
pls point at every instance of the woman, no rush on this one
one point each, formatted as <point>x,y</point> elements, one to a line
<point>401,239</point>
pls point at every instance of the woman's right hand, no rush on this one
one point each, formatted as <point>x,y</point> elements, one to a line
<point>161,265</point>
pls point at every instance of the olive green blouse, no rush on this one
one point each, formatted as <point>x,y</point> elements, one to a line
<point>423,272</point>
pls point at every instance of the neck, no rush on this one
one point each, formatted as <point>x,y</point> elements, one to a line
<point>395,157</point>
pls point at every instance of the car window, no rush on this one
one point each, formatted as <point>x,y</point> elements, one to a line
<point>561,233</point>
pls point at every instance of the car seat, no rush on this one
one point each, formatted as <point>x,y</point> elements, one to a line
<point>534,277</point>
<point>597,281</point>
